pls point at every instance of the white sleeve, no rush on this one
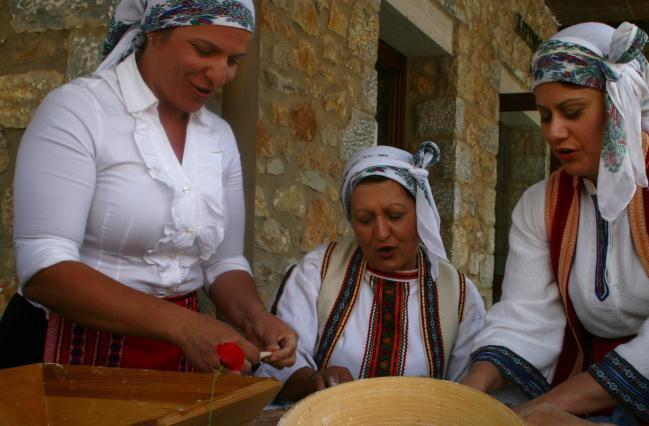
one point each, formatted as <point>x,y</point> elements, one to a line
<point>297,308</point>
<point>55,181</point>
<point>472,323</point>
<point>529,320</point>
<point>229,255</point>
<point>634,351</point>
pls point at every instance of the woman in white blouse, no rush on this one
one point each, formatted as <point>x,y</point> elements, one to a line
<point>385,301</point>
<point>572,328</point>
<point>128,198</point>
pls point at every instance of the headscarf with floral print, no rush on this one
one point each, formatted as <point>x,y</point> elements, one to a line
<point>134,18</point>
<point>409,171</point>
<point>611,60</point>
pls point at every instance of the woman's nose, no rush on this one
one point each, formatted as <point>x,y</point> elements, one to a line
<point>556,130</point>
<point>381,229</point>
<point>217,73</point>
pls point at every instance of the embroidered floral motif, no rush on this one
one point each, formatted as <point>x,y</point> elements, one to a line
<point>614,146</point>
<point>624,382</point>
<point>430,317</point>
<point>343,305</point>
<point>404,177</point>
<point>116,30</point>
<point>516,369</point>
<point>559,61</point>
<point>635,50</point>
<point>174,13</point>
<point>387,337</point>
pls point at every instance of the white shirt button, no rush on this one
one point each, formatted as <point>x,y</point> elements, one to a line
<point>187,189</point>
<point>172,255</point>
<point>189,231</point>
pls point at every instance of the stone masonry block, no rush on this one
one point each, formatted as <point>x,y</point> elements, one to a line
<point>4,154</point>
<point>84,54</point>
<point>440,117</point>
<point>272,237</point>
<point>364,32</point>
<point>360,133</point>
<point>41,15</point>
<point>20,95</point>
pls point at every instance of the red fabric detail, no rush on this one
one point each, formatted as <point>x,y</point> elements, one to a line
<point>568,355</point>
<point>230,355</point>
<point>70,343</point>
<point>389,331</point>
<point>600,346</point>
<point>645,195</point>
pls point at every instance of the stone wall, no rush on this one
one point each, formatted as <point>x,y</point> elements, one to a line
<point>317,104</point>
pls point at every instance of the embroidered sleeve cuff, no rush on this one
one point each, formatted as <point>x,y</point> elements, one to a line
<point>624,382</point>
<point>514,368</point>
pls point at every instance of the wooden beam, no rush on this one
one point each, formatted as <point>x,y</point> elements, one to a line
<point>510,102</point>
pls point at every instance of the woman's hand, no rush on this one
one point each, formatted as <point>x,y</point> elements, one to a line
<point>580,394</point>
<point>484,376</point>
<point>198,335</point>
<point>272,334</point>
<point>306,380</point>
<point>330,376</point>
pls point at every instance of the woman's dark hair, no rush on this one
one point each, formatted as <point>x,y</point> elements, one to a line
<point>379,178</point>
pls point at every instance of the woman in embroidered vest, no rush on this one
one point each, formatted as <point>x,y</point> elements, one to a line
<point>384,302</point>
<point>571,329</point>
<point>128,191</point>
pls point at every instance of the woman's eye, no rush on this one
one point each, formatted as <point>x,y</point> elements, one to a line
<point>233,61</point>
<point>364,220</point>
<point>395,216</point>
<point>202,51</point>
<point>572,114</point>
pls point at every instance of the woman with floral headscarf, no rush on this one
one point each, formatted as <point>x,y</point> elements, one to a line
<point>572,328</point>
<point>384,302</point>
<point>128,198</point>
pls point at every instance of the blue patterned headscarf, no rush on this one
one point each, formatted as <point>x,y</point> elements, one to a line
<point>134,18</point>
<point>409,171</point>
<point>611,60</point>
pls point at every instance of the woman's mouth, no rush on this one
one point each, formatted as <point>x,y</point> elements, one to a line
<point>565,154</point>
<point>202,92</point>
<point>385,252</point>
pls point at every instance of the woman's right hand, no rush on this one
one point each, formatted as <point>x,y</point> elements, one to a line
<point>330,376</point>
<point>306,380</point>
<point>197,336</point>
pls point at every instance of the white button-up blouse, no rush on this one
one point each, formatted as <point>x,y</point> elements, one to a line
<point>97,181</point>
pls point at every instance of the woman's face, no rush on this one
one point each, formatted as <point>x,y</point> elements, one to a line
<point>384,220</point>
<point>573,121</point>
<point>186,65</point>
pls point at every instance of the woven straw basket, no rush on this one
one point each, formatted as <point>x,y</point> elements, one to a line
<point>400,401</point>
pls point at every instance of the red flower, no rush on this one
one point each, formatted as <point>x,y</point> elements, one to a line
<point>231,355</point>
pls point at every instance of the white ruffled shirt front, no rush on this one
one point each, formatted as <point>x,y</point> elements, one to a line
<point>530,319</point>
<point>97,181</point>
<point>297,308</point>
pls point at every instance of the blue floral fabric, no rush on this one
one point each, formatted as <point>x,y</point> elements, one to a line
<point>514,368</point>
<point>134,18</point>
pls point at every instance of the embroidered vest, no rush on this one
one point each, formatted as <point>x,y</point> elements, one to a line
<point>341,285</point>
<point>562,226</point>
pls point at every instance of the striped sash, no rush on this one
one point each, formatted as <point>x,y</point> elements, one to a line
<point>70,343</point>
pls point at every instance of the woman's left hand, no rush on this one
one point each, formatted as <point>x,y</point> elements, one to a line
<point>271,334</point>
